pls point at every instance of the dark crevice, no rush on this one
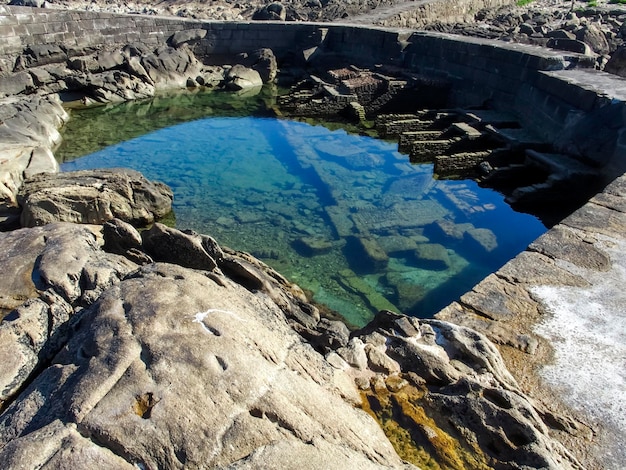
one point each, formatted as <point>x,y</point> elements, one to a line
<point>102,441</point>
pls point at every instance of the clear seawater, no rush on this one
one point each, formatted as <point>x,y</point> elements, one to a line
<point>344,216</point>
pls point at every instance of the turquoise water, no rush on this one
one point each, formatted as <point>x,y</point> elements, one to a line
<point>344,216</point>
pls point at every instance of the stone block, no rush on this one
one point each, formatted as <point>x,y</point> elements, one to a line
<point>368,253</point>
<point>432,256</point>
<point>6,30</point>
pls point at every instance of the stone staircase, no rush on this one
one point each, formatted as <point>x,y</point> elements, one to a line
<point>493,147</point>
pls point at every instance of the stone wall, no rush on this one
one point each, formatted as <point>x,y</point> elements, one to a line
<point>553,93</point>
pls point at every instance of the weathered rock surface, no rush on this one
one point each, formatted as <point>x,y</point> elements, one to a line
<point>28,129</point>
<point>55,269</point>
<point>168,353</point>
<point>443,379</point>
<point>93,197</point>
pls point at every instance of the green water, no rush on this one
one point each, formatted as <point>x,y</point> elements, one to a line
<point>345,216</point>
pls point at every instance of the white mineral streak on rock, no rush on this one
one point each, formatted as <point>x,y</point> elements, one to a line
<point>587,328</point>
<point>200,316</point>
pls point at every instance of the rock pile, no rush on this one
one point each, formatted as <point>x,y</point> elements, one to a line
<point>130,73</point>
<point>593,31</point>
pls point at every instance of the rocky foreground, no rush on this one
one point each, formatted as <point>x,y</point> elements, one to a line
<point>194,356</point>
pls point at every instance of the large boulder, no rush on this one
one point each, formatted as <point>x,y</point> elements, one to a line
<point>263,61</point>
<point>172,368</point>
<point>240,77</point>
<point>93,197</point>
<point>617,62</point>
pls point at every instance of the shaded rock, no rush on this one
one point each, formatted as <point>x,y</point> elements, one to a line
<point>272,12</point>
<point>122,238</point>
<point>173,246</point>
<point>111,86</point>
<point>263,61</point>
<point>571,45</point>
<point>28,3</point>
<point>242,78</point>
<point>189,35</point>
<point>594,38</point>
<point>617,62</point>
<point>43,54</point>
<point>93,197</point>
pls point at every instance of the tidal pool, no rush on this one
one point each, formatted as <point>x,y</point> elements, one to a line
<point>344,216</point>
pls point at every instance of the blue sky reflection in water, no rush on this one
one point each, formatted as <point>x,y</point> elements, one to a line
<point>345,216</point>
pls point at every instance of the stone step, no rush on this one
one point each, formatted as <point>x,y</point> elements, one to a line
<point>564,179</point>
<point>423,151</point>
<point>397,127</point>
<point>407,139</point>
<point>382,119</point>
<point>459,164</point>
<point>484,117</point>
<point>465,130</point>
<point>562,165</point>
<point>519,138</point>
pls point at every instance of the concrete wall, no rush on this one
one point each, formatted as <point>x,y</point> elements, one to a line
<point>548,90</point>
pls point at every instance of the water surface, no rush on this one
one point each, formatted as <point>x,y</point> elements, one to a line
<point>345,216</point>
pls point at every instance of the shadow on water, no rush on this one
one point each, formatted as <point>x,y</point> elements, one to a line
<point>347,217</point>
